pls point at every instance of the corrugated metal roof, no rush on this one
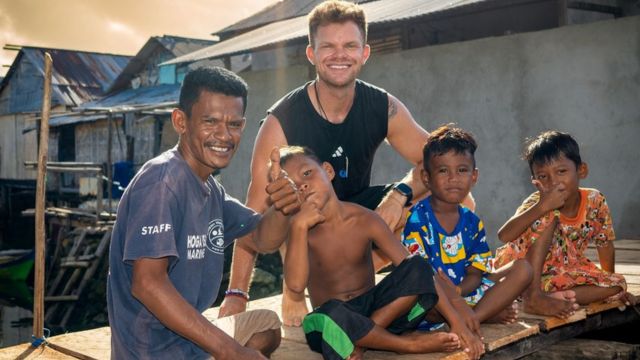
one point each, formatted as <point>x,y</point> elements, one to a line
<point>269,34</point>
<point>73,119</point>
<point>381,11</point>
<point>174,45</point>
<point>179,46</point>
<point>132,99</point>
<point>281,10</point>
<point>77,76</point>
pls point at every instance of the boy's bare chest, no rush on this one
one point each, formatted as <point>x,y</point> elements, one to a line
<point>340,264</point>
<point>340,247</point>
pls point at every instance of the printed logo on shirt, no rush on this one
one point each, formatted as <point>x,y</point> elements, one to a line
<point>452,248</point>
<point>344,172</point>
<point>195,246</point>
<point>215,235</point>
<point>338,152</point>
<point>155,229</point>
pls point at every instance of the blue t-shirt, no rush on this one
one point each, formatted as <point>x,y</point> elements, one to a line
<point>452,252</point>
<point>167,211</point>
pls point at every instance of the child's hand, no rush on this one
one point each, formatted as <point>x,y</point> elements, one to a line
<point>308,216</point>
<point>283,192</point>
<point>552,197</point>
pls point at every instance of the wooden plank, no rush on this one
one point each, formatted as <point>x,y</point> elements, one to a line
<point>382,355</point>
<point>601,306</point>
<point>634,289</point>
<point>28,352</point>
<point>294,333</point>
<point>628,269</point>
<point>94,343</point>
<point>587,349</point>
<point>291,350</point>
<point>632,279</point>
<point>460,355</point>
<point>547,323</point>
<point>502,341</point>
<point>500,335</point>
<point>545,339</point>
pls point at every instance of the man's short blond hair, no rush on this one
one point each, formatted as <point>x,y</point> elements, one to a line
<point>336,11</point>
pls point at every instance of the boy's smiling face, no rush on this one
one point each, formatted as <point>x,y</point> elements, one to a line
<point>560,172</point>
<point>311,178</point>
<point>450,176</point>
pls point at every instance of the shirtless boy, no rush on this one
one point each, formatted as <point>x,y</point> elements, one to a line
<point>329,252</point>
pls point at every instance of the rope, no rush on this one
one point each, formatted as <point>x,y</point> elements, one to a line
<point>39,341</point>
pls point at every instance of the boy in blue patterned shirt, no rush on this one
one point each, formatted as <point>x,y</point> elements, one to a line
<point>452,237</point>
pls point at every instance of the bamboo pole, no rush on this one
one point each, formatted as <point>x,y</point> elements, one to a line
<point>38,280</point>
<point>109,167</point>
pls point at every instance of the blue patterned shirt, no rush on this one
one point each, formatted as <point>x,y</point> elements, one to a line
<point>452,252</point>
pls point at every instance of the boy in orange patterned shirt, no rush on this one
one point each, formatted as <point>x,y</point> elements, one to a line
<point>553,227</point>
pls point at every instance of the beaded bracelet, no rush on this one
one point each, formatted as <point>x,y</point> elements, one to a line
<point>238,293</point>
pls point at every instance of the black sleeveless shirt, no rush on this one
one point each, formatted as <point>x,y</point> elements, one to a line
<point>349,146</point>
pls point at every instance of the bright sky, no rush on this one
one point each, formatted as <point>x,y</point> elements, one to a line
<point>113,26</point>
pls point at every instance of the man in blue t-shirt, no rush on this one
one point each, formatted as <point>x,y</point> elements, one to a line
<point>174,222</point>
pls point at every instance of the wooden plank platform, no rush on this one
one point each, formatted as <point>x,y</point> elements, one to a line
<point>528,335</point>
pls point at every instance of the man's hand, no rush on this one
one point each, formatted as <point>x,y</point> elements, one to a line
<point>391,209</point>
<point>552,197</point>
<point>232,305</point>
<point>283,192</point>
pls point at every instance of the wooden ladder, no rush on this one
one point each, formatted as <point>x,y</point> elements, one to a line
<point>75,270</point>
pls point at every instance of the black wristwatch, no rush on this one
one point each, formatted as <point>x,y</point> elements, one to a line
<point>405,190</point>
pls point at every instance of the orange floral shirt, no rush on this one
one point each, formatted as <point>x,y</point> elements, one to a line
<point>566,265</point>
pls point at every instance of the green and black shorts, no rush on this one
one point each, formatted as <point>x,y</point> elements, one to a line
<point>334,327</point>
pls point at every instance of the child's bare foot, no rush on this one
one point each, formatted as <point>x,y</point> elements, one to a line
<point>426,342</point>
<point>624,297</point>
<point>508,315</point>
<point>357,354</point>
<point>568,295</point>
<point>293,311</point>
<point>543,304</point>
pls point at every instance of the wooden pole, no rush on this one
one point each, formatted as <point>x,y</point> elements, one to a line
<point>109,165</point>
<point>38,280</point>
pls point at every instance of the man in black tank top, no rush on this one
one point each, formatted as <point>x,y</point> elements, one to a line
<point>343,120</point>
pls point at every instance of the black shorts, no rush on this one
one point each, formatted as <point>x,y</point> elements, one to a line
<point>334,327</point>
